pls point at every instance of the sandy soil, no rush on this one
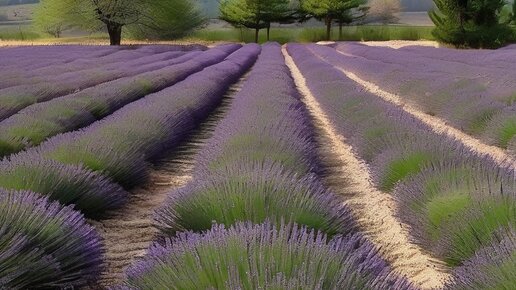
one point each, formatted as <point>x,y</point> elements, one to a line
<point>128,232</point>
<point>436,124</point>
<point>396,44</point>
<point>402,43</point>
<point>375,210</point>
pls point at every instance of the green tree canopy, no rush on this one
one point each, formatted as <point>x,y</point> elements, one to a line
<point>474,23</point>
<point>331,10</point>
<point>257,14</point>
<point>149,19</point>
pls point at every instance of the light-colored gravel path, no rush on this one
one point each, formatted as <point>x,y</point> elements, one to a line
<point>374,210</point>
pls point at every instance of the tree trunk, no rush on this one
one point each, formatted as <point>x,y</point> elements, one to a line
<point>269,32</point>
<point>115,33</point>
<point>328,28</point>
<point>256,34</point>
<point>340,30</point>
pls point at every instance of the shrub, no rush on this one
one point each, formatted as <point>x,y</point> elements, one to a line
<point>456,207</point>
<point>90,192</point>
<point>254,192</point>
<point>262,257</point>
<point>45,245</point>
<point>492,267</point>
<point>502,128</point>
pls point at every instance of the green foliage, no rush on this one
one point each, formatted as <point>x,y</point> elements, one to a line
<point>457,209</point>
<point>402,167</point>
<point>257,195</point>
<point>168,22</point>
<point>50,18</point>
<point>144,18</point>
<point>257,14</point>
<point>471,23</point>
<point>334,10</point>
<point>22,33</point>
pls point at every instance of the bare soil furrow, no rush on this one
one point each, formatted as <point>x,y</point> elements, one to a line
<point>374,210</point>
<point>129,231</point>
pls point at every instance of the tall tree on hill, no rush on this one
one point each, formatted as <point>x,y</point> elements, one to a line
<point>257,14</point>
<point>151,18</point>
<point>330,10</point>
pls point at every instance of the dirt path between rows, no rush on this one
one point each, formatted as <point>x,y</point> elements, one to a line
<point>437,124</point>
<point>374,210</point>
<point>129,231</point>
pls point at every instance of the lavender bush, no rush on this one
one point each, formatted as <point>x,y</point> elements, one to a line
<point>45,245</point>
<point>491,268</point>
<point>465,95</point>
<point>90,192</point>
<point>262,257</point>
<point>254,192</point>
<point>119,144</point>
<point>456,207</point>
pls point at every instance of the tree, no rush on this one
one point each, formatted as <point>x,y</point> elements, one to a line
<point>349,16</point>
<point>256,14</point>
<point>472,23</point>
<point>146,18</point>
<point>384,11</point>
<point>513,13</point>
<point>329,10</point>
<point>49,18</point>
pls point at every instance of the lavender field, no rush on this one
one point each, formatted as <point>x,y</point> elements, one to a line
<point>303,166</point>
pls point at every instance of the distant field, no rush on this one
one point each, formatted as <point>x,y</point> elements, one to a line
<point>16,12</point>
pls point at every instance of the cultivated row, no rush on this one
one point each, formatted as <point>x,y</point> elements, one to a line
<point>37,122</point>
<point>457,204</point>
<point>476,100</point>
<point>79,168</point>
<point>49,86</point>
<point>257,208</point>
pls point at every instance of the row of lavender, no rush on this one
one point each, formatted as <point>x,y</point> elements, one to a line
<point>20,72</point>
<point>480,100</point>
<point>256,216</point>
<point>34,57</point>
<point>37,122</point>
<point>499,58</point>
<point>47,244</point>
<point>20,92</point>
<point>459,206</point>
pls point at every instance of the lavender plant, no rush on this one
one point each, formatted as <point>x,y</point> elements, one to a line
<point>259,163</point>
<point>466,96</point>
<point>456,207</point>
<point>491,268</point>
<point>254,192</point>
<point>45,245</point>
<point>454,201</point>
<point>263,256</point>
<point>89,192</point>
